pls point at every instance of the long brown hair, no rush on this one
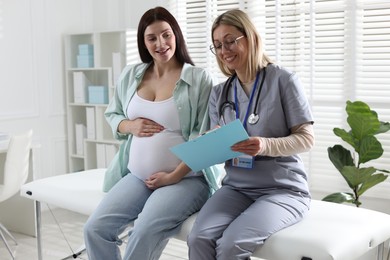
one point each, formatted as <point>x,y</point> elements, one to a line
<point>161,14</point>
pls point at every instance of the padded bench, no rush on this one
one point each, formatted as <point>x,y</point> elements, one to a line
<point>329,232</point>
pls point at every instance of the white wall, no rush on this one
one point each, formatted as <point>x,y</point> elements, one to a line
<point>32,65</point>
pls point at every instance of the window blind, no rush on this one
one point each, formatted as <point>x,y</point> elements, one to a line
<point>132,55</point>
<point>195,18</point>
<point>340,50</point>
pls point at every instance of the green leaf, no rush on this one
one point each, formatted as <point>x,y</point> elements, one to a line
<point>356,107</point>
<point>371,182</point>
<point>370,149</point>
<point>340,157</point>
<point>346,136</point>
<point>382,170</point>
<point>356,176</point>
<point>362,120</point>
<point>340,197</point>
<point>383,128</point>
<point>363,124</point>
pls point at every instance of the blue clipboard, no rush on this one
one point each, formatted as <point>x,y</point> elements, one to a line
<point>211,148</point>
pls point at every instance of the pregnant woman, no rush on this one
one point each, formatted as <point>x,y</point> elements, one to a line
<point>158,104</point>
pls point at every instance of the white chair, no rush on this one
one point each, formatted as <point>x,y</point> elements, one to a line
<point>15,174</point>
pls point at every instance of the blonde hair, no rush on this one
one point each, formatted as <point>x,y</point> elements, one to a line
<point>257,59</point>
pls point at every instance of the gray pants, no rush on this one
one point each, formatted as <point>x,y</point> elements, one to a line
<point>231,225</point>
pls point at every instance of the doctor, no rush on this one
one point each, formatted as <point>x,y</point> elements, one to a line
<point>266,189</point>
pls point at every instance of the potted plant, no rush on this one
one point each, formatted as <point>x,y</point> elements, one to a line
<point>364,124</point>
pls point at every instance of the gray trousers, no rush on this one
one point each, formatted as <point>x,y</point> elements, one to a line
<point>232,224</point>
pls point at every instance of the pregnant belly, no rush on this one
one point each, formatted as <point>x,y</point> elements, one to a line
<point>149,155</point>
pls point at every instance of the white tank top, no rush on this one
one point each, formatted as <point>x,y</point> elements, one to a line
<point>149,155</point>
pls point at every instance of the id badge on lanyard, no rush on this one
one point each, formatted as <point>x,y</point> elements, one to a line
<point>243,161</point>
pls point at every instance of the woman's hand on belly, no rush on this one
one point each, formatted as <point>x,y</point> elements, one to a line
<point>141,127</point>
<point>160,179</point>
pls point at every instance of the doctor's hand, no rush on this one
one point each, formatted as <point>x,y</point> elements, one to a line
<point>140,127</point>
<point>251,146</point>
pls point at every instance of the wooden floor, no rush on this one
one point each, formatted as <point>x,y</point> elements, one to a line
<point>55,247</point>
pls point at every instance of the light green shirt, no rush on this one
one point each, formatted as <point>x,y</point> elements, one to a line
<point>191,92</point>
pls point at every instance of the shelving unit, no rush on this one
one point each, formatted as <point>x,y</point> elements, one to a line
<point>84,148</point>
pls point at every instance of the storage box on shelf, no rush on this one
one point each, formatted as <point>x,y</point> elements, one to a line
<point>85,56</point>
<point>97,94</point>
<point>93,61</point>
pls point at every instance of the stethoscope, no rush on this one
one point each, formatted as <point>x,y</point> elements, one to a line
<point>253,118</point>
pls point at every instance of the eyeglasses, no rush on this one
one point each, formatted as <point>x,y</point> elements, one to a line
<point>227,44</point>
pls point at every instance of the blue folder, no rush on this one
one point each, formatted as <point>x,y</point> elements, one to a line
<point>211,148</point>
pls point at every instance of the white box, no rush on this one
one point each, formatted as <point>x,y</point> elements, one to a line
<point>81,133</point>
<point>91,123</point>
<point>80,83</point>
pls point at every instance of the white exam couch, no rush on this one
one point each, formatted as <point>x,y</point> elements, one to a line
<point>329,232</point>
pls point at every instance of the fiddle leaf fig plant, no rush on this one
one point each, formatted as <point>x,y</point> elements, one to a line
<point>364,124</point>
